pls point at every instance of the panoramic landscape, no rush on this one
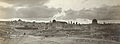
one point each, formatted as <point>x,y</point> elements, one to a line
<point>58,32</point>
<point>59,22</point>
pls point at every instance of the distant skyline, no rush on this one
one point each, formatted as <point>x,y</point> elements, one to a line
<point>46,10</point>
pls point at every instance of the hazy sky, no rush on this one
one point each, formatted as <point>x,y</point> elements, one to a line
<point>60,9</point>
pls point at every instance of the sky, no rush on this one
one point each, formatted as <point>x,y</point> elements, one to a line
<point>46,10</point>
<point>80,4</point>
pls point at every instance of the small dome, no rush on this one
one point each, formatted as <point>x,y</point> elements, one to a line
<point>54,20</point>
<point>94,21</point>
<point>34,22</point>
<point>19,20</point>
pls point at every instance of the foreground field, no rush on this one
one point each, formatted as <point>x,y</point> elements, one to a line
<point>57,40</point>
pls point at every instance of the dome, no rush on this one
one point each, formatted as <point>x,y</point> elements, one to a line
<point>94,21</point>
<point>19,20</point>
<point>54,20</point>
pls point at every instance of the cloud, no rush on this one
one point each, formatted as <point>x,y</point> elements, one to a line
<point>26,9</point>
<point>84,1</point>
<point>6,13</point>
<point>25,1</point>
<point>102,13</point>
<point>108,12</point>
<point>35,9</point>
<point>35,13</point>
<point>5,5</point>
<point>21,3</point>
<point>80,4</point>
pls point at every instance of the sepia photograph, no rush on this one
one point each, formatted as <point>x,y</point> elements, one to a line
<point>59,21</point>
